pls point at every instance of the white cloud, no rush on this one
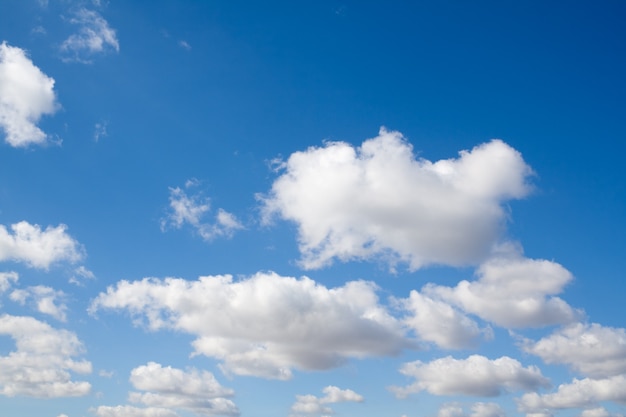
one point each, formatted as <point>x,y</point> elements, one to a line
<point>267,324</point>
<point>42,362</point>
<point>99,131</point>
<point>192,390</point>
<point>379,201</point>
<point>37,248</point>
<point>185,45</point>
<point>191,210</point>
<point>26,94</point>
<point>7,279</point>
<point>311,405</point>
<point>94,36</point>
<point>580,393</point>
<point>475,376</point>
<point>80,274</point>
<point>45,300</point>
<point>590,349</point>
<point>479,409</point>
<point>512,292</point>
<point>130,411</point>
<point>438,322</point>
<point>597,412</point>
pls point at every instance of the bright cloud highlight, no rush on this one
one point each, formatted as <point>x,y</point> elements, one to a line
<point>310,405</point>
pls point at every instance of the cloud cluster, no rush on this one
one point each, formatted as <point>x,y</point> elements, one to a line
<point>265,325</point>
<point>26,94</point>
<point>475,376</point>
<point>185,209</point>
<point>379,201</point>
<point>479,409</point>
<point>310,405</point>
<point>46,300</point>
<point>38,248</point>
<point>94,36</point>
<point>41,364</point>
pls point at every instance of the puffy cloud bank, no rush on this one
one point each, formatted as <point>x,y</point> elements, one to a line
<point>265,325</point>
<point>379,201</point>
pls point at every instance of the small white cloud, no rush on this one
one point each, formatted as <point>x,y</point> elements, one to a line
<point>580,393</point>
<point>474,376</point>
<point>45,299</point>
<point>26,94</point>
<point>106,374</point>
<point>171,388</point>
<point>310,405</point>
<point>38,248</point>
<point>41,364</point>
<point>590,349</point>
<point>99,131</point>
<point>94,36</point>
<point>184,45</point>
<point>191,210</point>
<point>7,279</point>
<point>265,325</point>
<point>130,411</point>
<point>81,274</point>
<point>379,201</point>
<point>479,409</point>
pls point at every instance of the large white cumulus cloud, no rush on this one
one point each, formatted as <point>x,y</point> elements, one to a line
<point>26,94</point>
<point>378,200</point>
<point>265,325</point>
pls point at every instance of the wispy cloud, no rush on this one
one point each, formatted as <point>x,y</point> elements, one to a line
<point>94,36</point>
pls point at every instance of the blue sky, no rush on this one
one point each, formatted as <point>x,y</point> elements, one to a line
<point>306,209</point>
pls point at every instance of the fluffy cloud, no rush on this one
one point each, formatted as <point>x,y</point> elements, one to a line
<point>378,200</point>
<point>169,387</point>
<point>267,324</point>
<point>94,36</point>
<point>130,411</point>
<point>590,349</point>
<point>512,291</point>
<point>46,300</point>
<point>41,365</point>
<point>38,248</point>
<point>438,322</point>
<point>26,94</point>
<point>191,210</point>
<point>580,393</point>
<point>476,376</point>
<point>598,412</point>
<point>311,405</point>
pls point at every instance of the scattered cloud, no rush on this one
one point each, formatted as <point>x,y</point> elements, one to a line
<point>94,36</point>
<point>45,299</point>
<point>192,390</point>
<point>81,274</point>
<point>264,325</point>
<point>591,349</point>
<point>580,393</point>
<point>41,364</point>
<point>512,292</point>
<point>99,131</point>
<point>191,210</point>
<point>310,405</point>
<point>26,94</point>
<point>379,201</point>
<point>38,248</point>
<point>598,412</point>
<point>184,45</point>
<point>7,279</point>
<point>474,376</point>
<point>130,411</point>
<point>479,409</point>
